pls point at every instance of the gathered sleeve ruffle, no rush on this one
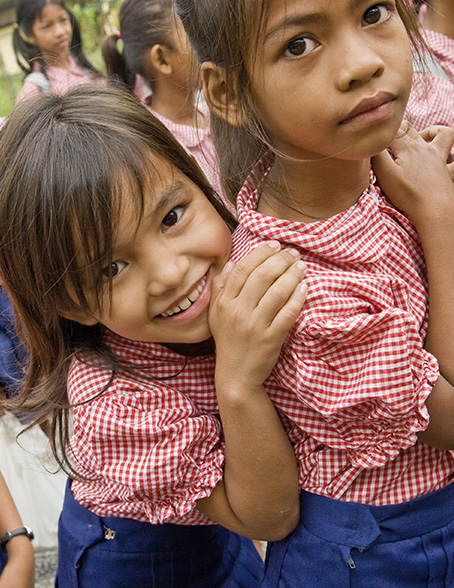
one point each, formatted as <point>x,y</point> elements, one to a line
<point>149,451</point>
<point>362,382</point>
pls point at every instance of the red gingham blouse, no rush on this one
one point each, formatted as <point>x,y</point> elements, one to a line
<point>148,450</point>
<point>352,379</point>
<point>432,96</point>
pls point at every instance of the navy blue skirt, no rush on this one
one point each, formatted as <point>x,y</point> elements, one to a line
<point>111,552</point>
<point>345,544</point>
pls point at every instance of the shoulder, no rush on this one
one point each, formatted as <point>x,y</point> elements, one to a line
<point>34,84</point>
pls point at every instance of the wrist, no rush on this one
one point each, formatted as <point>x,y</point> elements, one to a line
<point>25,533</point>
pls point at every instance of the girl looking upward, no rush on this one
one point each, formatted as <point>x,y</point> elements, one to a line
<point>306,92</point>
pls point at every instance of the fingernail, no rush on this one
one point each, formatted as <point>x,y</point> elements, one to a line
<point>294,252</point>
<point>303,287</point>
<point>301,265</point>
<point>274,245</point>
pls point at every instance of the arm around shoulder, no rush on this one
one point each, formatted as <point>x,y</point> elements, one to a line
<point>262,296</point>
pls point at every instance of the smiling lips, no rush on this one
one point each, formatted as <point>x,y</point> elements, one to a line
<point>186,302</point>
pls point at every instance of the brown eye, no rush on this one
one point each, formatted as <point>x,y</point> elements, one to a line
<point>376,14</point>
<point>301,46</point>
<point>114,269</point>
<point>172,217</point>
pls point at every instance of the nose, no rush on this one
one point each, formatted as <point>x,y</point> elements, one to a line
<point>60,30</point>
<point>165,272</point>
<point>358,62</point>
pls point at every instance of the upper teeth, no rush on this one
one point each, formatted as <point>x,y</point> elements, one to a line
<point>186,303</point>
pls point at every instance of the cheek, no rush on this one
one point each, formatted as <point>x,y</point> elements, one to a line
<point>224,240</point>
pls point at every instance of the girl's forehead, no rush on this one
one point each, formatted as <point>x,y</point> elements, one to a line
<point>49,10</point>
<point>146,186</point>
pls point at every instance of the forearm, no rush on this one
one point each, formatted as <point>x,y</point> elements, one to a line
<point>9,515</point>
<point>19,571</point>
<point>259,496</point>
<point>437,237</point>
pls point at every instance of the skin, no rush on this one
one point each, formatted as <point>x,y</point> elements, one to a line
<point>178,248</point>
<point>173,76</point>
<point>19,572</point>
<point>440,17</point>
<point>52,33</point>
<point>181,243</point>
<point>324,59</point>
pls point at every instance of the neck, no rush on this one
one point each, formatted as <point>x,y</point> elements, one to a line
<point>313,191</point>
<point>177,105</point>
<point>193,349</point>
<point>56,60</point>
<point>440,17</point>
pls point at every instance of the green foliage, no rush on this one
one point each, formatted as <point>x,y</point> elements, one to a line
<point>9,88</point>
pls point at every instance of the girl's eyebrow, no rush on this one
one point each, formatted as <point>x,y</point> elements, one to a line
<point>299,20</point>
<point>169,197</point>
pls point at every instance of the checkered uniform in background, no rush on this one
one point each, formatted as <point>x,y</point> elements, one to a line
<point>431,99</point>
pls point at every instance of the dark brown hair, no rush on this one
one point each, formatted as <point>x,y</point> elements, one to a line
<point>64,163</point>
<point>227,34</point>
<point>143,24</point>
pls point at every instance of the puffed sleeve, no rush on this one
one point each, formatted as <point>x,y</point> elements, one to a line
<point>148,449</point>
<point>362,381</point>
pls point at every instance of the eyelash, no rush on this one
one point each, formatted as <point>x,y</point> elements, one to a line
<point>387,7</point>
<point>109,273</point>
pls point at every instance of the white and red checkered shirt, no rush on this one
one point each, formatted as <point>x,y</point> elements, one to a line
<point>149,450</point>
<point>352,378</point>
<point>432,95</point>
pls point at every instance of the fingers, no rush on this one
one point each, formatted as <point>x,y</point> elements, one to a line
<point>283,301</point>
<point>276,276</point>
<point>440,137</point>
<point>253,275</point>
<point>262,284</point>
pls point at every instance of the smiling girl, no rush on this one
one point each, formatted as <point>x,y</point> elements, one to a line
<point>113,250</point>
<point>48,48</point>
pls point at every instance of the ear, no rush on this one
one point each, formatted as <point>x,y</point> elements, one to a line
<point>222,99</point>
<point>159,61</point>
<point>84,317</point>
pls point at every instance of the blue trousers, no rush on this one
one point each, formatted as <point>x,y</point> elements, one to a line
<point>349,545</point>
<point>3,560</point>
<point>111,552</point>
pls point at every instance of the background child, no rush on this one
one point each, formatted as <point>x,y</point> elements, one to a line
<point>132,242</point>
<point>432,97</point>
<point>157,64</point>
<point>313,89</point>
<point>48,48</point>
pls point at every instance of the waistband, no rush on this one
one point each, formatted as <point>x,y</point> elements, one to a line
<point>133,536</point>
<point>360,525</point>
